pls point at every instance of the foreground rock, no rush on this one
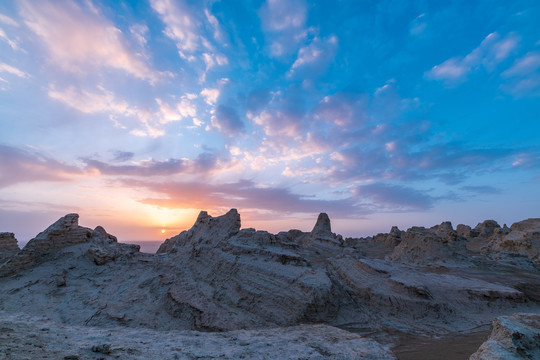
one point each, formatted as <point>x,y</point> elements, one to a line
<point>512,337</point>
<point>27,337</point>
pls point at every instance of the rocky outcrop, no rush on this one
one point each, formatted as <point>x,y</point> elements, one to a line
<point>522,239</point>
<point>440,243</point>
<point>486,228</point>
<point>207,232</point>
<point>512,337</point>
<point>390,240</point>
<point>218,277</point>
<point>8,245</point>
<point>63,233</point>
<point>244,279</point>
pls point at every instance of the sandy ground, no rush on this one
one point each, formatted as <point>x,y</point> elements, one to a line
<point>450,347</point>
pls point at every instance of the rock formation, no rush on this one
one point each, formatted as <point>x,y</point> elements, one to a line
<point>8,245</point>
<point>512,337</point>
<point>219,277</point>
<point>63,233</point>
<point>522,239</point>
<point>440,243</point>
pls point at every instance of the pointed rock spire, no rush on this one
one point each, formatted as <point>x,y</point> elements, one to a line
<point>322,227</point>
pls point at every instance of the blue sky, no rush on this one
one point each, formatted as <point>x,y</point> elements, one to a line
<point>139,114</point>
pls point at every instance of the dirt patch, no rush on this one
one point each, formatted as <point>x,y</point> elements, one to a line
<point>450,347</point>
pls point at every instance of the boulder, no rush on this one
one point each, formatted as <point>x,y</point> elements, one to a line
<point>512,337</point>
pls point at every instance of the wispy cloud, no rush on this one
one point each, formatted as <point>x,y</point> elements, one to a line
<point>181,26</point>
<point>4,19</point>
<point>105,101</point>
<point>80,39</point>
<point>523,77</point>
<point>488,54</point>
<point>12,70</point>
<point>244,195</point>
<point>284,22</point>
<point>203,164</point>
<point>12,43</point>
<point>394,197</point>
<point>314,58</point>
<point>18,165</point>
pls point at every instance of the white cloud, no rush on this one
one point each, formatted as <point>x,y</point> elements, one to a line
<point>284,23</point>
<point>283,15</point>
<point>210,95</point>
<point>523,77</point>
<point>183,109</point>
<point>492,51</point>
<point>218,34</point>
<point>12,43</point>
<point>139,32</point>
<point>214,59</point>
<point>315,56</point>
<point>105,101</point>
<point>525,65</point>
<point>181,26</point>
<point>418,25</point>
<point>90,102</point>
<point>13,70</point>
<point>78,39</point>
<point>7,20</point>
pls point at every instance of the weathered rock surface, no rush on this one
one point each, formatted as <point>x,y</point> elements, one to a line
<point>440,243</point>
<point>63,233</point>
<point>219,277</point>
<point>512,337</point>
<point>523,239</point>
<point>207,232</point>
<point>27,337</point>
<point>8,245</point>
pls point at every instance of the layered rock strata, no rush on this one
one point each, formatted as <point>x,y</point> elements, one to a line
<point>512,337</point>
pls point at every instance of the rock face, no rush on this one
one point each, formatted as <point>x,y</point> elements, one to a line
<point>440,243</point>
<point>486,229</point>
<point>63,233</point>
<point>523,239</point>
<point>207,232</point>
<point>8,245</point>
<point>512,337</point>
<point>229,274</point>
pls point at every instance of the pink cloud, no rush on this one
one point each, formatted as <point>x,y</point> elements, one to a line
<point>21,165</point>
<point>181,25</point>
<point>81,38</point>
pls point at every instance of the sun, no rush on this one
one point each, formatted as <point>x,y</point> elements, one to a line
<point>163,231</point>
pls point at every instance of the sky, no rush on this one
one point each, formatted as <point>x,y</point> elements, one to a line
<point>139,114</point>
